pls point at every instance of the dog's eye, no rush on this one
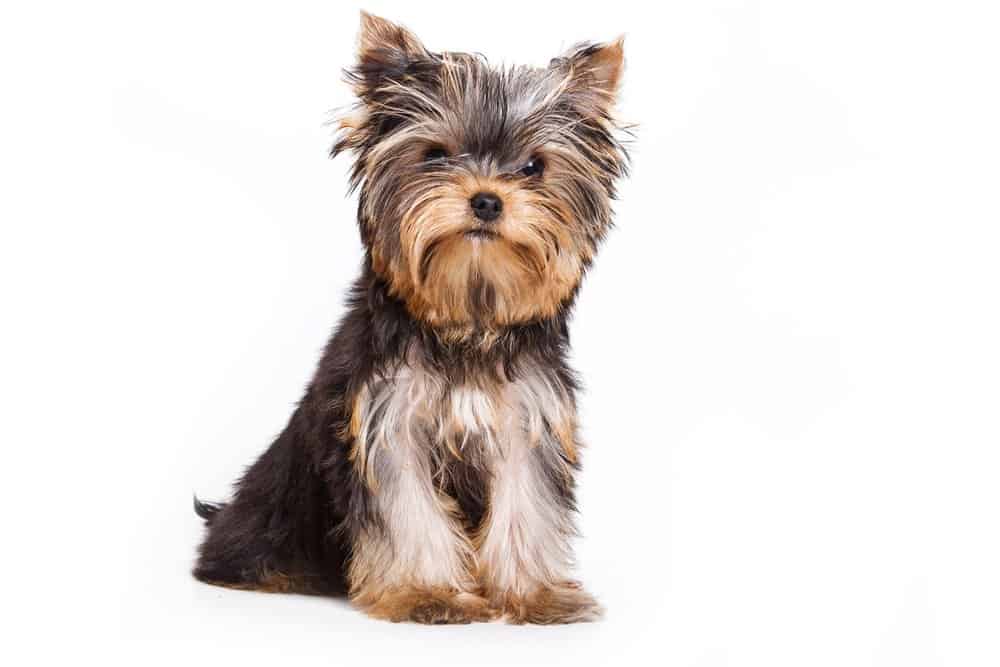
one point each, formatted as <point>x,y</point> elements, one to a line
<point>534,167</point>
<point>437,153</point>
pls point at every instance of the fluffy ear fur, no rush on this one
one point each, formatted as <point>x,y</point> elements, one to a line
<point>596,69</point>
<point>385,52</point>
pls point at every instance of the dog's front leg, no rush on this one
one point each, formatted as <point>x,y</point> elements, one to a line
<point>413,561</point>
<point>524,552</point>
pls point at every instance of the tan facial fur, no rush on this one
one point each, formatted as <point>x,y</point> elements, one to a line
<point>415,218</point>
<point>447,278</point>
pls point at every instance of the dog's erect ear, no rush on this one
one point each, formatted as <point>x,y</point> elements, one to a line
<point>595,69</point>
<point>385,51</point>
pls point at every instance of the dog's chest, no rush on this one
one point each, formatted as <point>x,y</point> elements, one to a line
<point>417,409</point>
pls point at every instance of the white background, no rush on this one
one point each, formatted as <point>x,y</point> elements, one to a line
<point>790,343</point>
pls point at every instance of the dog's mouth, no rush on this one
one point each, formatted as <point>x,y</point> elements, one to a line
<point>481,234</point>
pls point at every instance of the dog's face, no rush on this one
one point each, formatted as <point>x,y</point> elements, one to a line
<point>484,191</point>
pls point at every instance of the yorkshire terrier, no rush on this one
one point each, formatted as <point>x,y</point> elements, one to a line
<point>428,472</point>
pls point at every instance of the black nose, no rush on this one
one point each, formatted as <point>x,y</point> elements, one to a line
<point>486,206</point>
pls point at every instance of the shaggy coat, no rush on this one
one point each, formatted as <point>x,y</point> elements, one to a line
<point>428,472</point>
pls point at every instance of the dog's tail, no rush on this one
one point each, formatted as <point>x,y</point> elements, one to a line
<point>206,511</point>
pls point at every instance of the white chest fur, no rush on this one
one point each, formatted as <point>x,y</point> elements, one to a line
<point>521,430</point>
<point>418,408</point>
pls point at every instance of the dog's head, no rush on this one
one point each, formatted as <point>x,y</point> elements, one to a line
<point>484,191</point>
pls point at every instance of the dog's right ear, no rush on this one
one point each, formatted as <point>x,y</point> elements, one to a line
<point>385,52</point>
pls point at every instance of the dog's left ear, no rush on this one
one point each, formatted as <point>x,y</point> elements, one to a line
<point>595,69</point>
<point>385,52</point>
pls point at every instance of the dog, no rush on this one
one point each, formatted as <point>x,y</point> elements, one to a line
<point>428,472</point>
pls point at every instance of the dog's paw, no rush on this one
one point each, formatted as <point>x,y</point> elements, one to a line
<point>430,606</point>
<point>566,602</point>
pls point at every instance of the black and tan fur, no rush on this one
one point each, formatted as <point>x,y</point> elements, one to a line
<point>428,472</point>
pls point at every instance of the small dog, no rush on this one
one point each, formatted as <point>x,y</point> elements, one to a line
<point>428,472</point>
